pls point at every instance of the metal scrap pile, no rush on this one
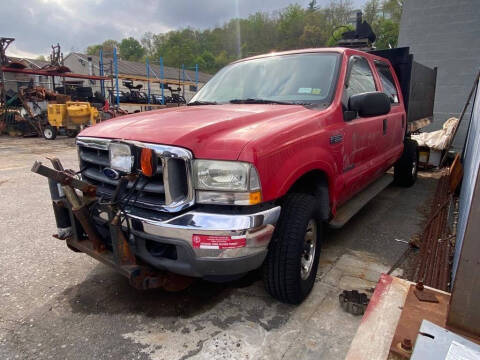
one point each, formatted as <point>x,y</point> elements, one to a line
<point>438,238</point>
<point>25,110</point>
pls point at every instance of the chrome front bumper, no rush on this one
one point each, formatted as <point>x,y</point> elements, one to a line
<point>257,230</point>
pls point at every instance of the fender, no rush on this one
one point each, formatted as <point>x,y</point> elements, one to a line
<point>281,170</point>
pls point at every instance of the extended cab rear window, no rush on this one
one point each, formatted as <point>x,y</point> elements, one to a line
<point>388,83</point>
<point>307,78</point>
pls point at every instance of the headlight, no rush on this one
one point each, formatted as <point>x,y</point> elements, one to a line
<point>226,182</point>
<point>120,157</point>
<point>221,175</point>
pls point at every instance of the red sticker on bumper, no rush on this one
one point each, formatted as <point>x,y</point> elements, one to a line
<point>218,242</point>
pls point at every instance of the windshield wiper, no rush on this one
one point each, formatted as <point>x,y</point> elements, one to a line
<point>266,101</point>
<point>202,103</point>
<point>259,101</point>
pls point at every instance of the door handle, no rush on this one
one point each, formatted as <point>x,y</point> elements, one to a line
<point>384,126</point>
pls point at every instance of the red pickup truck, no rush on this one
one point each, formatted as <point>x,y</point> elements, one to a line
<point>272,149</point>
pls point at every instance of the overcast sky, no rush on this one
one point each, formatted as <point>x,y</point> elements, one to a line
<point>75,24</point>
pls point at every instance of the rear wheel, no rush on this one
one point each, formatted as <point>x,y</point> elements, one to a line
<point>292,260</point>
<point>49,132</point>
<point>406,168</point>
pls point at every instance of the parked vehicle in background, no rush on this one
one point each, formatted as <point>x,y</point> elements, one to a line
<point>270,151</point>
<point>70,118</point>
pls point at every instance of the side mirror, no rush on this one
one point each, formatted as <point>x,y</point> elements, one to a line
<point>367,104</point>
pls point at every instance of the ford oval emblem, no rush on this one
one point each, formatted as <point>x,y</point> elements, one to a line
<point>111,173</point>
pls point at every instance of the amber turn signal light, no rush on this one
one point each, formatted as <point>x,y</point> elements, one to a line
<point>148,162</point>
<point>255,198</point>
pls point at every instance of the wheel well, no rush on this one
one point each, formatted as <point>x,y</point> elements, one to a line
<point>315,183</point>
<point>309,182</point>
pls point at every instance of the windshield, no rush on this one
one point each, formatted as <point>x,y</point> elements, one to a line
<point>294,79</point>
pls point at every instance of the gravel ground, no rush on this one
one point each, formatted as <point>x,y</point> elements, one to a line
<point>57,304</point>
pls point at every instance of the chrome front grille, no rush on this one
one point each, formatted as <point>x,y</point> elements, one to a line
<point>169,190</point>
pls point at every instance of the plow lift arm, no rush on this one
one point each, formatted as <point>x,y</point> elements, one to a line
<point>73,210</point>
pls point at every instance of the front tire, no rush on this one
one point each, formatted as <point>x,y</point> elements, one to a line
<point>49,132</point>
<point>291,265</point>
<point>406,168</point>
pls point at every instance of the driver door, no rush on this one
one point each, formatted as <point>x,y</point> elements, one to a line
<point>362,134</point>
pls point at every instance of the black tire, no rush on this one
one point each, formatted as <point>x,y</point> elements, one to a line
<point>71,133</point>
<point>49,132</point>
<point>282,270</point>
<point>406,168</point>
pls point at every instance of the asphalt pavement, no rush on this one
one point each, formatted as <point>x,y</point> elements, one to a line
<point>57,304</point>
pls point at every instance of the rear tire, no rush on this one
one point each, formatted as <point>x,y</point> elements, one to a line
<point>291,265</point>
<point>49,132</point>
<point>406,168</point>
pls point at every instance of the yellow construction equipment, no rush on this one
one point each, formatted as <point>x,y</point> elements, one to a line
<point>70,117</point>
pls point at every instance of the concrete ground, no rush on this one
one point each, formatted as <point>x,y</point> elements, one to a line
<point>57,304</point>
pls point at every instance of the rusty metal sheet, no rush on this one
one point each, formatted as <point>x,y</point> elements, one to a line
<point>433,265</point>
<point>413,313</point>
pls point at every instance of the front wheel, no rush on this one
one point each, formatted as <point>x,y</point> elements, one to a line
<point>292,260</point>
<point>49,132</point>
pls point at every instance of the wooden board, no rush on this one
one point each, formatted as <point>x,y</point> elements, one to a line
<point>456,173</point>
<point>374,335</point>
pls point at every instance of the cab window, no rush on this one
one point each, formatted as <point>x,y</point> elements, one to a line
<point>386,78</point>
<point>360,78</point>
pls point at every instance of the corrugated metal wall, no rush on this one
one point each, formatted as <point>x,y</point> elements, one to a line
<point>445,33</point>
<point>471,164</point>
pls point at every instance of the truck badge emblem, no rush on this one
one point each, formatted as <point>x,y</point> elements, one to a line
<point>335,139</point>
<point>111,173</point>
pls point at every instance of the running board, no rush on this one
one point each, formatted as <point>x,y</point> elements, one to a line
<point>351,207</point>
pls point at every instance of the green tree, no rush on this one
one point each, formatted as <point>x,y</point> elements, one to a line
<point>387,33</point>
<point>393,9</point>
<point>41,58</point>
<point>371,10</point>
<point>131,49</point>
<point>222,59</point>
<point>208,60</point>
<point>312,36</point>
<point>337,34</point>
<point>107,46</point>
<point>147,42</point>
<point>385,18</point>
<point>289,28</point>
<point>94,49</point>
<point>338,12</point>
<point>291,23</point>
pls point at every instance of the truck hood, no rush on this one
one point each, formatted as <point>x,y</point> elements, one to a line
<point>209,131</point>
